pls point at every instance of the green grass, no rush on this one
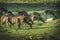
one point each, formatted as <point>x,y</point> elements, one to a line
<point>46,31</point>
<point>43,31</point>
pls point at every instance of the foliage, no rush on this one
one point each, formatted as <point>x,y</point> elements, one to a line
<point>46,31</point>
<point>43,31</point>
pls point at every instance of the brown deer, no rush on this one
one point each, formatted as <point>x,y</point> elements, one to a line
<point>37,16</point>
<point>50,12</point>
<point>24,17</point>
<point>6,18</point>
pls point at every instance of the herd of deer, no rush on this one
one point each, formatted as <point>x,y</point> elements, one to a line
<point>23,16</point>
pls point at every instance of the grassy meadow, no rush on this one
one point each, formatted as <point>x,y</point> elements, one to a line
<point>42,31</point>
<point>45,31</point>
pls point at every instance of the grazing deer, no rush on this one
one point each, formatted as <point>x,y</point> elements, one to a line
<point>24,17</point>
<point>50,12</point>
<point>6,18</point>
<point>36,16</point>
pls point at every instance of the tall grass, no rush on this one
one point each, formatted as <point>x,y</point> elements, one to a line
<point>47,31</point>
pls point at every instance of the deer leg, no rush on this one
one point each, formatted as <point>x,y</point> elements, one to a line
<point>32,19</point>
<point>18,23</point>
<point>10,25</point>
<point>30,25</point>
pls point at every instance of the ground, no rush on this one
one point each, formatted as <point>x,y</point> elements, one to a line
<point>46,31</point>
